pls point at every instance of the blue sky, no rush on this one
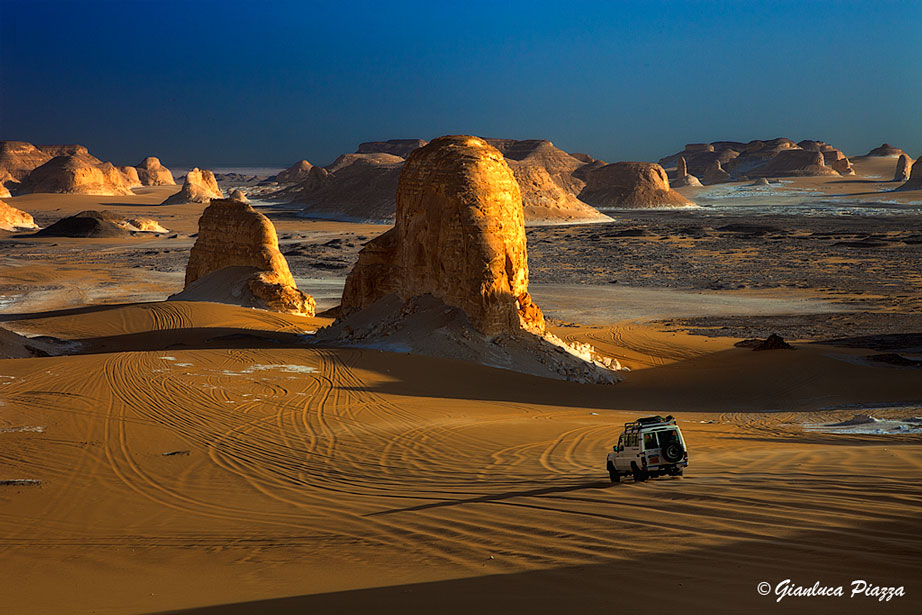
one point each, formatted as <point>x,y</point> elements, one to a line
<point>228,83</point>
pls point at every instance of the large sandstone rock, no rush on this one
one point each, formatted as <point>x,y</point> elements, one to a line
<point>90,223</point>
<point>19,158</point>
<point>885,150</point>
<point>837,161</point>
<point>238,195</point>
<point>295,173</point>
<point>396,147</point>
<point>794,163</point>
<point>237,247</point>
<point>915,177</point>
<point>131,176</point>
<point>903,166</point>
<point>682,177</point>
<point>152,173</point>
<point>631,185</point>
<point>78,173</point>
<point>4,191</point>
<point>12,219</point>
<point>200,186</point>
<point>459,236</point>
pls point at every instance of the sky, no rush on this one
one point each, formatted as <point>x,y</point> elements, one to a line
<point>268,83</point>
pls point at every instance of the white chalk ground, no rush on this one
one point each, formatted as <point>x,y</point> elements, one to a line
<point>869,424</point>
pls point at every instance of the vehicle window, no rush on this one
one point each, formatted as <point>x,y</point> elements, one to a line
<point>668,436</point>
<point>649,441</point>
<point>621,442</point>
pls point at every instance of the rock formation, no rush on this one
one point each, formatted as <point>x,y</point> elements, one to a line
<point>19,158</point>
<point>885,150</point>
<point>236,259</point>
<point>12,219</point>
<point>762,181</point>
<point>200,186</point>
<point>837,161</point>
<point>459,236</point>
<point>78,173</point>
<point>682,178</point>
<point>295,173</point>
<point>89,223</point>
<point>238,195</point>
<point>630,185</point>
<point>903,165</point>
<point>131,176</point>
<point>794,163</point>
<point>915,177</point>
<point>145,225</point>
<point>395,147</point>
<point>152,173</point>
<point>4,191</point>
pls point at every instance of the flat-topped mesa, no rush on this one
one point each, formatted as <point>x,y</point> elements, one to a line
<point>682,177</point>
<point>903,166</point>
<point>12,219</point>
<point>885,150</point>
<point>396,147</point>
<point>915,177</point>
<point>236,259</point>
<point>631,185</point>
<point>459,236</point>
<point>152,173</point>
<point>295,173</point>
<point>200,186</point>
<point>78,173</point>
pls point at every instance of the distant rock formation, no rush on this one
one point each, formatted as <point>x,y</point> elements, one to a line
<point>630,185</point>
<point>885,150</point>
<point>238,195</point>
<point>152,173</point>
<point>19,158</point>
<point>236,259</point>
<point>92,223</point>
<point>295,173</point>
<point>396,147</point>
<point>915,177</point>
<point>459,236</point>
<point>200,186</point>
<point>794,163</point>
<point>903,166</point>
<point>12,219</point>
<point>736,160</point>
<point>78,173</point>
<point>762,181</point>
<point>131,176</point>
<point>682,178</point>
<point>146,225</point>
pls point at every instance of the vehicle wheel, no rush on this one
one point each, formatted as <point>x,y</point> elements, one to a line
<point>613,473</point>
<point>639,475</point>
<point>672,452</point>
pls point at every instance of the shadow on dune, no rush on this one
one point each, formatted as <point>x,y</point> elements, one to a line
<point>86,309</point>
<point>716,579</point>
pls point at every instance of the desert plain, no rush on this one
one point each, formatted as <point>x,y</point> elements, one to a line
<point>200,457</point>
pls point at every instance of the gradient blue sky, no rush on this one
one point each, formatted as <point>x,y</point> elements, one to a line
<point>230,83</point>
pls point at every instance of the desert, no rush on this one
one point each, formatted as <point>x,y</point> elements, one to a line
<point>333,352</point>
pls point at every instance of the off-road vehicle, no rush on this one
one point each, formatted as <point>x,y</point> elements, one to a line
<point>651,446</point>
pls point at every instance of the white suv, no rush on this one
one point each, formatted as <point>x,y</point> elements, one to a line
<point>651,446</point>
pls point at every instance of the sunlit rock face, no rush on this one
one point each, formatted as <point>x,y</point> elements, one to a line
<point>885,150</point>
<point>915,177</point>
<point>682,177</point>
<point>459,236</point>
<point>631,185</point>
<point>233,236</point>
<point>131,176</point>
<point>200,186</point>
<point>903,167</point>
<point>19,158</point>
<point>794,163</point>
<point>152,173</point>
<point>12,219</point>
<point>78,173</point>
<point>837,161</point>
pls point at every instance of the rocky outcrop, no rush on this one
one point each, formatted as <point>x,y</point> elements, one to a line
<point>12,219</point>
<point>4,191</point>
<point>794,163</point>
<point>236,259</point>
<point>395,147</point>
<point>459,236</point>
<point>630,185</point>
<point>837,161</point>
<point>145,225</point>
<point>19,158</point>
<point>295,173</point>
<point>915,177</point>
<point>903,166</point>
<point>152,173</point>
<point>131,176</point>
<point>682,177</point>
<point>885,150</point>
<point>200,186</point>
<point>238,195</point>
<point>90,223</point>
<point>78,173</point>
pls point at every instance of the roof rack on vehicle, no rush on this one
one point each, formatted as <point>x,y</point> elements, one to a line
<point>649,421</point>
